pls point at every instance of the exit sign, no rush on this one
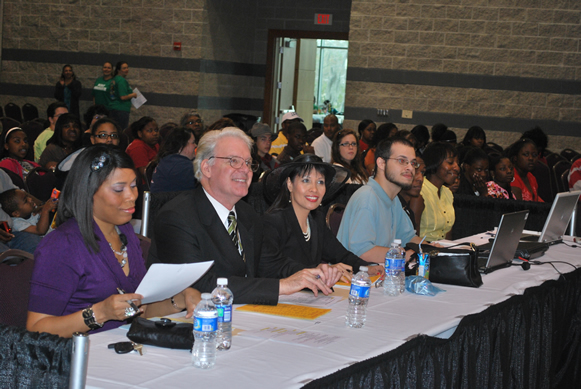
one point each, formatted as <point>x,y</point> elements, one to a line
<point>324,19</point>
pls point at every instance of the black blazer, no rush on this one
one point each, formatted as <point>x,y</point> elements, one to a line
<point>282,229</point>
<point>76,91</point>
<point>187,229</point>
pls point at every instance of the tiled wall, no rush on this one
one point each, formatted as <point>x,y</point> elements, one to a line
<point>502,64</point>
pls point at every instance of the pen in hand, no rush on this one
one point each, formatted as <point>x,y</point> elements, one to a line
<point>133,306</point>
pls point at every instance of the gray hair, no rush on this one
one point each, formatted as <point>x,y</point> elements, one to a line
<point>208,144</point>
<point>187,115</point>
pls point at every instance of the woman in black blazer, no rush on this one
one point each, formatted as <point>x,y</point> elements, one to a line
<point>293,223</point>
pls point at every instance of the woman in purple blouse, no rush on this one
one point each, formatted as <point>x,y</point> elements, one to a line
<point>80,266</point>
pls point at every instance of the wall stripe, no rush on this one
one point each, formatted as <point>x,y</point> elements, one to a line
<point>158,99</point>
<point>138,61</point>
<point>456,80</point>
<point>551,127</point>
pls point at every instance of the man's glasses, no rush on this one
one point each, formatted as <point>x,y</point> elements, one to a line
<point>237,162</point>
<point>194,122</point>
<point>106,136</point>
<point>97,117</point>
<point>347,144</point>
<point>404,162</point>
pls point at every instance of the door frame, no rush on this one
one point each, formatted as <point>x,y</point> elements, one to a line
<point>270,60</point>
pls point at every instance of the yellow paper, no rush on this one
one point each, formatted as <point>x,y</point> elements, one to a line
<point>286,310</point>
<point>373,279</point>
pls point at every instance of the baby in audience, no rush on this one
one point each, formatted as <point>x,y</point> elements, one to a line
<point>26,215</point>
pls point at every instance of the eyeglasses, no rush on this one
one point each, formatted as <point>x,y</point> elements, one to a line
<point>347,144</point>
<point>237,162</point>
<point>194,122</point>
<point>405,162</point>
<point>97,117</point>
<point>104,135</point>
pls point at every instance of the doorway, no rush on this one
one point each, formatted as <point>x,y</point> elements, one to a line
<point>306,73</point>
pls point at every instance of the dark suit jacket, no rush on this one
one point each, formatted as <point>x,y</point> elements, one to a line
<point>282,229</point>
<point>187,229</point>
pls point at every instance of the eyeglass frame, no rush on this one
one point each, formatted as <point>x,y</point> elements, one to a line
<point>104,135</point>
<point>347,144</point>
<point>252,165</point>
<point>404,162</point>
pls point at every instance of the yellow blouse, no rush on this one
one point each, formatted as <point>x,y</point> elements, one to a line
<point>438,216</point>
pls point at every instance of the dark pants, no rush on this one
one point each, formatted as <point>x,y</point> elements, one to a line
<point>121,117</point>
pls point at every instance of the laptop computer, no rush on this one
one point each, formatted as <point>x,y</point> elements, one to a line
<point>558,219</point>
<point>500,253</point>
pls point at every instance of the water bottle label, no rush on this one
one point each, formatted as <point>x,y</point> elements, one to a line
<point>394,264</point>
<point>359,291</point>
<point>224,313</point>
<point>205,324</point>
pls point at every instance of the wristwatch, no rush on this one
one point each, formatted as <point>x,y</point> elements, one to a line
<point>89,318</point>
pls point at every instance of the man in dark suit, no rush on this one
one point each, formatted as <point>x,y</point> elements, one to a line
<point>197,226</point>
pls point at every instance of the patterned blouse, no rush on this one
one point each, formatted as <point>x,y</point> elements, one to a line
<point>497,191</point>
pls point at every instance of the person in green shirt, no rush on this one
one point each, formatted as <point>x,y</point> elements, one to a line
<point>103,93</point>
<point>121,105</point>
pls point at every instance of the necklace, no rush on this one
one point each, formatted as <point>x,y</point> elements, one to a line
<point>123,252</point>
<point>307,235</point>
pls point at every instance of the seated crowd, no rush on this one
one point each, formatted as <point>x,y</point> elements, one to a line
<point>407,188</point>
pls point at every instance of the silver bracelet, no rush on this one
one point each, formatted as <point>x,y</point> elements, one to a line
<point>174,304</point>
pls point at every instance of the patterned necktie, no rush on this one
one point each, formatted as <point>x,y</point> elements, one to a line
<point>233,232</point>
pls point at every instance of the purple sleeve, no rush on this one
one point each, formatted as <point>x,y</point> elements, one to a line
<point>55,276</point>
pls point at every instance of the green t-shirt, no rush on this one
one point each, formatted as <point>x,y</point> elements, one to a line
<point>102,92</point>
<point>122,88</point>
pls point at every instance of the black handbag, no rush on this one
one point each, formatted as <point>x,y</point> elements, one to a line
<point>162,333</point>
<point>452,266</point>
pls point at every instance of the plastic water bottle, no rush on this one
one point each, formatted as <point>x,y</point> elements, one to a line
<point>402,269</point>
<point>394,264</point>
<point>222,298</point>
<point>358,299</point>
<point>205,326</point>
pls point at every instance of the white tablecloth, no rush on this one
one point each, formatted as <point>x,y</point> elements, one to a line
<point>259,363</point>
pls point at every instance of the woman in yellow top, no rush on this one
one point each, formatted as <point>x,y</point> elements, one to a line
<point>442,168</point>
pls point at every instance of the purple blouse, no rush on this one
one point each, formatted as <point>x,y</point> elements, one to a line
<point>68,277</point>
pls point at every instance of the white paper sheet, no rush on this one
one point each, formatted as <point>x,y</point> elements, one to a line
<point>293,336</point>
<point>307,298</point>
<point>164,280</point>
<point>139,100</point>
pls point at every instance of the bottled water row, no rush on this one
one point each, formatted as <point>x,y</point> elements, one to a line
<point>393,285</point>
<point>212,325</point>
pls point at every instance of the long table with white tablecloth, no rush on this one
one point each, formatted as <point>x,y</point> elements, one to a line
<point>390,334</point>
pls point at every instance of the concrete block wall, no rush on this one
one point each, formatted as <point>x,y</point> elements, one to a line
<point>220,69</point>
<point>505,65</point>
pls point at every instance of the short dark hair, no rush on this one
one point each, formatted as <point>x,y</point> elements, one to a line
<point>57,137</point>
<point>50,111</point>
<point>174,142</point>
<point>363,125</point>
<point>474,132</point>
<point>515,148</point>
<point>296,126</point>
<point>438,130</point>
<point>383,149</point>
<point>475,154</point>
<point>8,201</point>
<point>94,110</point>
<point>101,121</point>
<point>84,179</point>
<point>435,154</point>
<point>421,133</point>
<point>538,136</point>
<point>139,125</point>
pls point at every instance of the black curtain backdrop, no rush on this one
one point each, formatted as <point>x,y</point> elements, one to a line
<point>32,360</point>
<point>528,341</point>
